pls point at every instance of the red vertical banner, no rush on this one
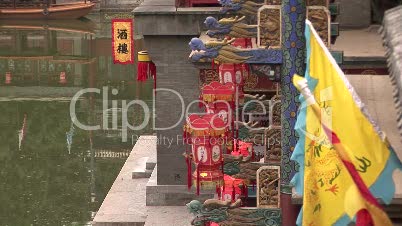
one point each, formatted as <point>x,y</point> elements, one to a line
<point>122,41</point>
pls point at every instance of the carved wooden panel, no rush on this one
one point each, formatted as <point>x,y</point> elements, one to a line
<point>275,112</point>
<point>318,3</point>
<point>259,81</point>
<point>255,81</point>
<point>268,187</point>
<point>269,26</point>
<point>320,17</point>
<point>271,71</point>
<point>273,145</point>
<point>250,81</point>
<point>208,75</point>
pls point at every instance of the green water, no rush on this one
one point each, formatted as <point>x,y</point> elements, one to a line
<point>52,172</point>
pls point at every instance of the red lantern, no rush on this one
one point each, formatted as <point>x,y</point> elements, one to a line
<point>233,73</point>
<point>62,78</point>
<point>221,100</point>
<point>243,148</point>
<point>8,78</point>
<point>220,97</point>
<point>232,189</point>
<point>207,134</point>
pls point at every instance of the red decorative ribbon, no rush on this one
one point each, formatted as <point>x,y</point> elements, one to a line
<point>198,179</point>
<point>223,173</point>
<point>363,217</point>
<point>218,191</point>
<point>233,192</point>
<point>189,177</point>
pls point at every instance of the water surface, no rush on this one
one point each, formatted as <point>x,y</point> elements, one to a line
<point>52,172</point>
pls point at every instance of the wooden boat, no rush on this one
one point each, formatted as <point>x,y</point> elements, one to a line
<point>46,11</point>
<point>82,25</point>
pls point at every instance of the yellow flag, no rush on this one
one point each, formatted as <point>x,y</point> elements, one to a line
<point>329,193</point>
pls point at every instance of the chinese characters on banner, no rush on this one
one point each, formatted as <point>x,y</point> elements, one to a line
<point>122,41</point>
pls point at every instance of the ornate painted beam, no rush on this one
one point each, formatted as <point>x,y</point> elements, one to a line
<point>227,213</point>
<point>223,52</point>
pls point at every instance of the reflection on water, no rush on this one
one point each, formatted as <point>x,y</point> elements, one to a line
<point>51,172</point>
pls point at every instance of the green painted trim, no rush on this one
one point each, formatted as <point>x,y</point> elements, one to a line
<point>338,55</point>
<point>334,8</point>
<point>334,29</point>
<point>286,189</point>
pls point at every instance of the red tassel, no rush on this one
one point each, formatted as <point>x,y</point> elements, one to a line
<point>146,70</point>
<point>223,173</point>
<point>189,178</point>
<point>142,71</point>
<point>233,193</point>
<point>363,218</point>
<point>198,179</point>
<point>244,192</point>
<point>152,70</point>
<point>213,64</point>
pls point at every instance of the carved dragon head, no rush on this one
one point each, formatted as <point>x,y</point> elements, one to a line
<point>221,51</point>
<point>230,6</point>
<point>211,23</point>
<point>212,210</point>
<point>196,44</point>
<point>198,50</point>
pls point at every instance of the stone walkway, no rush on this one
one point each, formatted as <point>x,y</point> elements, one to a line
<point>360,43</point>
<point>125,204</point>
